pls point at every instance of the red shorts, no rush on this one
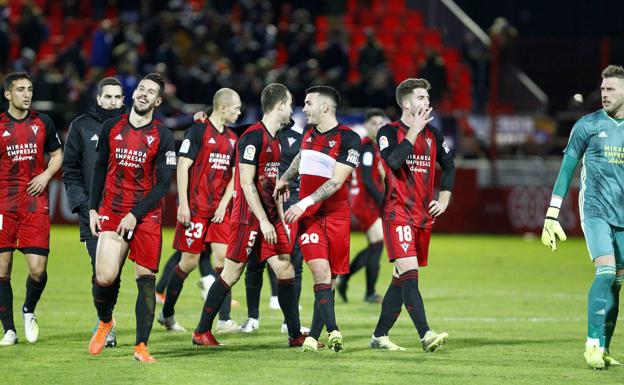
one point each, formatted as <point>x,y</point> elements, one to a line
<point>247,238</point>
<point>365,217</point>
<point>326,237</point>
<point>201,231</point>
<point>146,242</point>
<point>27,232</point>
<point>404,241</point>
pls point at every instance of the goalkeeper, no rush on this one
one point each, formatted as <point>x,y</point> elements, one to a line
<point>597,139</point>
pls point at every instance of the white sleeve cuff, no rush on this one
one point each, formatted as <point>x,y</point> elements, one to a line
<point>305,203</point>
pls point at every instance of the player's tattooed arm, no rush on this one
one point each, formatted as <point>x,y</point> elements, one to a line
<point>281,186</point>
<point>293,169</point>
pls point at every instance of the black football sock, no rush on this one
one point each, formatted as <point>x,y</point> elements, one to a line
<point>216,295</point>
<point>253,286</point>
<point>358,262</point>
<point>102,299</point>
<point>413,301</point>
<point>390,308</point>
<point>287,296</point>
<point>297,261</point>
<point>325,295</point>
<point>6,304</point>
<point>316,327</point>
<point>174,288</point>
<point>33,292</point>
<point>169,266</point>
<point>226,307</point>
<point>145,306</point>
<point>372,267</point>
<point>205,266</point>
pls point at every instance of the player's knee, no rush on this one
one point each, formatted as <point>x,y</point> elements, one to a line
<point>189,262</point>
<point>37,273</point>
<point>230,276</point>
<point>104,279</point>
<point>605,274</point>
<point>284,271</point>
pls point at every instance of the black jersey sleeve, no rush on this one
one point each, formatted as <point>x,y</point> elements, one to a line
<point>249,147</point>
<point>192,142</point>
<point>72,168</point>
<point>392,152</point>
<point>101,164</point>
<point>444,157</point>
<point>53,141</point>
<point>349,148</point>
<point>367,164</point>
<point>165,164</point>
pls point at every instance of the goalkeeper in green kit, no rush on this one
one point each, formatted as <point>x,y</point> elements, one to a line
<point>598,140</point>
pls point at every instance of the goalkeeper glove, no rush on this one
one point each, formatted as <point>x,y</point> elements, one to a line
<point>552,229</point>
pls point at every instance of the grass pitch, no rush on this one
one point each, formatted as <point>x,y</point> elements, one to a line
<point>515,313</point>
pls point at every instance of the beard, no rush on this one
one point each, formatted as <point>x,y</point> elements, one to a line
<point>143,111</point>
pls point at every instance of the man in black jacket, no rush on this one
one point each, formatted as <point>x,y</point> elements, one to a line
<point>79,161</point>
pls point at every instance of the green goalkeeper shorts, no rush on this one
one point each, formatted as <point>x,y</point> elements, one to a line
<point>604,239</point>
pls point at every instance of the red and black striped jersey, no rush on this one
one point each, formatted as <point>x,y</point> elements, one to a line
<point>410,176</point>
<point>212,153</point>
<point>319,154</point>
<point>23,144</point>
<point>259,148</point>
<point>135,155</point>
<point>366,177</point>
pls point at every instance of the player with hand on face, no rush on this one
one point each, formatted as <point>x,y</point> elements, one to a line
<point>136,157</point>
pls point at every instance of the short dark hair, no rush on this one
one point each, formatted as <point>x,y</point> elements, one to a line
<point>408,86</point>
<point>328,91</point>
<point>109,81</point>
<point>372,112</point>
<point>158,79</point>
<point>12,77</point>
<point>613,71</point>
<point>271,95</point>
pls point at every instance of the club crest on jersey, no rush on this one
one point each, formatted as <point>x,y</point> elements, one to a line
<point>250,152</point>
<point>428,140</point>
<point>189,241</point>
<point>212,141</point>
<point>332,143</point>
<point>150,140</point>
<point>185,146</point>
<point>404,246</point>
<point>170,158</point>
<point>232,142</point>
<point>35,128</point>
<point>291,141</point>
<point>6,133</point>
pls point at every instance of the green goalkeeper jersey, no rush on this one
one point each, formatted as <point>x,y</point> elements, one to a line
<point>598,140</point>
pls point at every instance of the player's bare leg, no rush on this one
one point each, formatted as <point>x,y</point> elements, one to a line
<point>144,311</point>
<point>323,307</point>
<point>35,283</point>
<point>408,275</point>
<point>188,263</point>
<point>109,257</point>
<point>225,324</point>
<point>287,296</point>
<point>6,300</point>
<point>218,291</point>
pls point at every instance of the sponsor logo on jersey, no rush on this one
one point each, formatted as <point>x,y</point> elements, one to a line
<point>189,241</point>
<point>332,143</point>
<point>150,140</point>
<point>383,143</point>
<point>212,141</point>
<point>185,146</point>
<point>353,156</point>
<point>602,134</point>
<point>428,140</point>
<point>291,141</point>
<point>170,158</point>
<point>232,142</point>
<point>404,246</point>
<point>250,152</point>
<point>35,128</point>
<point>6,133</point>
<point>95,137</point>
<point>118,137</point>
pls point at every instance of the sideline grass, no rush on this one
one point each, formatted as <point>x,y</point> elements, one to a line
<point>515,313</point>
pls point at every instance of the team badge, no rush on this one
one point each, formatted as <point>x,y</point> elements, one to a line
<point>383,143</point>
<point>332,143</point>
<point>35,128</point>
<point>404,246</point>
<point>250,152</point>
<point>291,141</point>
<point>184,147</point>
<point>150,140</point>
<point>189,241</point>
<point>232,142</point>
<point>445,147</point>
<point>429,142</point>
<point>170,158</point>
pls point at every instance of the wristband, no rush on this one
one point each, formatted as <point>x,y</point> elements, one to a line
<point>305,203</point>
<point>556,202</point>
